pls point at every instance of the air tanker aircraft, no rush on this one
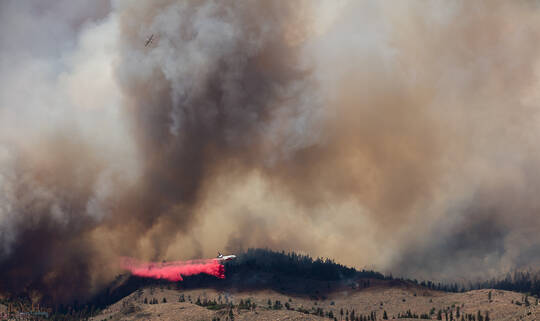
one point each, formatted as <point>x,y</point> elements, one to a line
<point>221,257</point>
<point>149,40</point>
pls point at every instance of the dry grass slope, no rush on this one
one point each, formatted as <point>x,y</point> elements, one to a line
<point>504,305</point>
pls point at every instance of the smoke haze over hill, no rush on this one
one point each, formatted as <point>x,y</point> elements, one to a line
<point>399,136</point>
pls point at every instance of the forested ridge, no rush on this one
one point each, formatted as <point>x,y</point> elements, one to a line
<point>264,268</point>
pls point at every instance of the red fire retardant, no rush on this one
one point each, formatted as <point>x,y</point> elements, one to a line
<point>173,271</point>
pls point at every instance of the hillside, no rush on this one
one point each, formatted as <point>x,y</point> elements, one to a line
<point>266,285</point>
<point>356,304</point>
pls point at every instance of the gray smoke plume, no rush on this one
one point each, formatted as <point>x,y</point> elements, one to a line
<point>395,136</point>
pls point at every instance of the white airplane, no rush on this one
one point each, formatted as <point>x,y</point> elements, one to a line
<point>222,257</point>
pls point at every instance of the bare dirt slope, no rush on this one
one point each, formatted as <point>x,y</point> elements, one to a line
<point>503,305</point>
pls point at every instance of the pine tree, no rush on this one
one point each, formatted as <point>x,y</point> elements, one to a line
<point>479,316</point>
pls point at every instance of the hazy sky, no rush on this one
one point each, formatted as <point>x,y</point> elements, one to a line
<point>401,136</point>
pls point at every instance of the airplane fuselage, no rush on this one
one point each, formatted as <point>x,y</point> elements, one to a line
<point>226,257</point>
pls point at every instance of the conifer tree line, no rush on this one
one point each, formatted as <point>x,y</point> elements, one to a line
<point>293,264</point>
<point>524,282</point>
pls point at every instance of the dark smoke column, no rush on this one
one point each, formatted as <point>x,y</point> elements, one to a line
<point>206,93</point>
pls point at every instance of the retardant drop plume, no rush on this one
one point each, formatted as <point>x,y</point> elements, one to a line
<point>173,271</point>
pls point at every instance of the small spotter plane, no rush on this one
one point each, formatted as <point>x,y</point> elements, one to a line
<point>221,257</point>
<point>149,40</point>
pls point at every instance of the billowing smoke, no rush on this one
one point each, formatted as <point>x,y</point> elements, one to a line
<point>400,135</point>
<point>173,271</point>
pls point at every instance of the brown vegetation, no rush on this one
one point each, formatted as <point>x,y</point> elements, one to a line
<point>210,304</point>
